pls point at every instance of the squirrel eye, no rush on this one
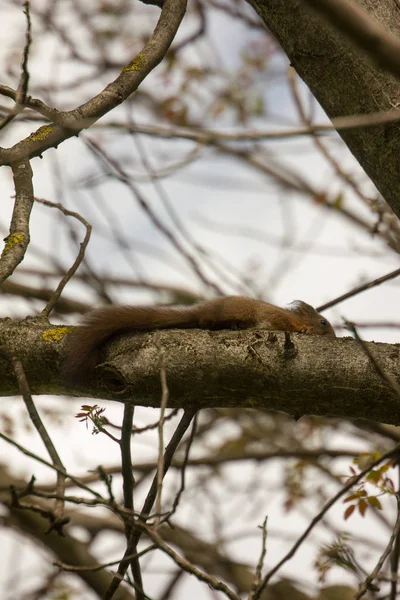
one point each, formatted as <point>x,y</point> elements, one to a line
<point>324,322</point>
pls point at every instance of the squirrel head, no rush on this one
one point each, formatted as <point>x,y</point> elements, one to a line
<point>312,320</point>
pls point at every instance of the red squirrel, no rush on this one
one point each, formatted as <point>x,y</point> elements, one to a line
<point>85,343</point>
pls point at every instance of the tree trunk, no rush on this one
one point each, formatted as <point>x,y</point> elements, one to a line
<point>344,81</point>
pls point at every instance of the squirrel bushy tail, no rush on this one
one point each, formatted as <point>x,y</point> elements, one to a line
<point>84,345</point>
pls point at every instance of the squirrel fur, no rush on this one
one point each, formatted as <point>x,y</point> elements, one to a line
<point>84,344</point>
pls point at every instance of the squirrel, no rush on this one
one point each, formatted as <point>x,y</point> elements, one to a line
<point>84,344</point>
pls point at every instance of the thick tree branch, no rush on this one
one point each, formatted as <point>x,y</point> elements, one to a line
<point>344,80</point>
<point>216,369</point>
<point>363,30</point>
<point>18,240</point>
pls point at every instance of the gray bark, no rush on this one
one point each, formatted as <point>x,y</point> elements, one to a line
<point>253,368</point>
<point>345,81</point>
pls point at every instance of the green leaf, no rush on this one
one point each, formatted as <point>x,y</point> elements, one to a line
<point>374,501</point>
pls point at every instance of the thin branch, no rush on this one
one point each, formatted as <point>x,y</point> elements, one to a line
<point>329,157</point>
<point>369,325</point>
<point>173,214</point>
<point>128,480</point>
<point>150,498</point>
<point>198,33</point>
<point>42,431</point>
<point>367,584</point>
<point>66,548</point>
<point>185,293</point>
<point>22,91</point>
<point>32,103</point>
<point>24,81</point>
<point>81,254</point>
<point>168,591</point>
<point>100,566</point>
<point>211,136</point>
<point>187,566</point>
<point>183,469</point>
<point>359,289</point>
<point>45,462</point>
<point>388,379</point>
<point>122,176</point>
<point>232,456</point>
<point>258,575</point>
<point>180,431</point>
<point>160,462</point>
<point>64,305</point>
<point>128,485</point>
<point>155,425</point>
<point>238,12</point>
<point>394,559</point>
<point>291,180</point>
<point>353,481</point>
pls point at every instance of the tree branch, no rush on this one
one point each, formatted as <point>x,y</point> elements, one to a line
<point>344,81</point>
<point>217,369</point>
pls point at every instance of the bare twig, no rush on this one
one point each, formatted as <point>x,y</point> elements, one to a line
<point>168,591</point>
<point>179,224</point>
<point>81,254</point>
<point>155,425</point>
<point>353,481</point>
<point>149,501</point>
<point>126,456</point>
<point>394,559</point>
<point>51,466</point>
<point>290,180</point>
<point>258,574</point>
<point>187,566</point>
<point>160,462</point>
<point>388,379</point>
<point>337,167</point>
<point>22,90</point>
<point>128,485</point>
<point>186,294</point>
<point>238,12</point>
<point>198,33</point>
<point>211,136</point>
<point>23,84</point>
<point>232,456</point>
<point>359,289</point>
<point>100,566</point>
<point>367,584</point>
<point>173,214</point>
<point>64,305</point>
<point>30,102</point>
<point>183,469</point>
<point>369,325</point>
<point>124,178</point>
<point>42,431</point>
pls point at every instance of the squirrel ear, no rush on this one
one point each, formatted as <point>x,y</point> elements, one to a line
<point>302,308</point>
